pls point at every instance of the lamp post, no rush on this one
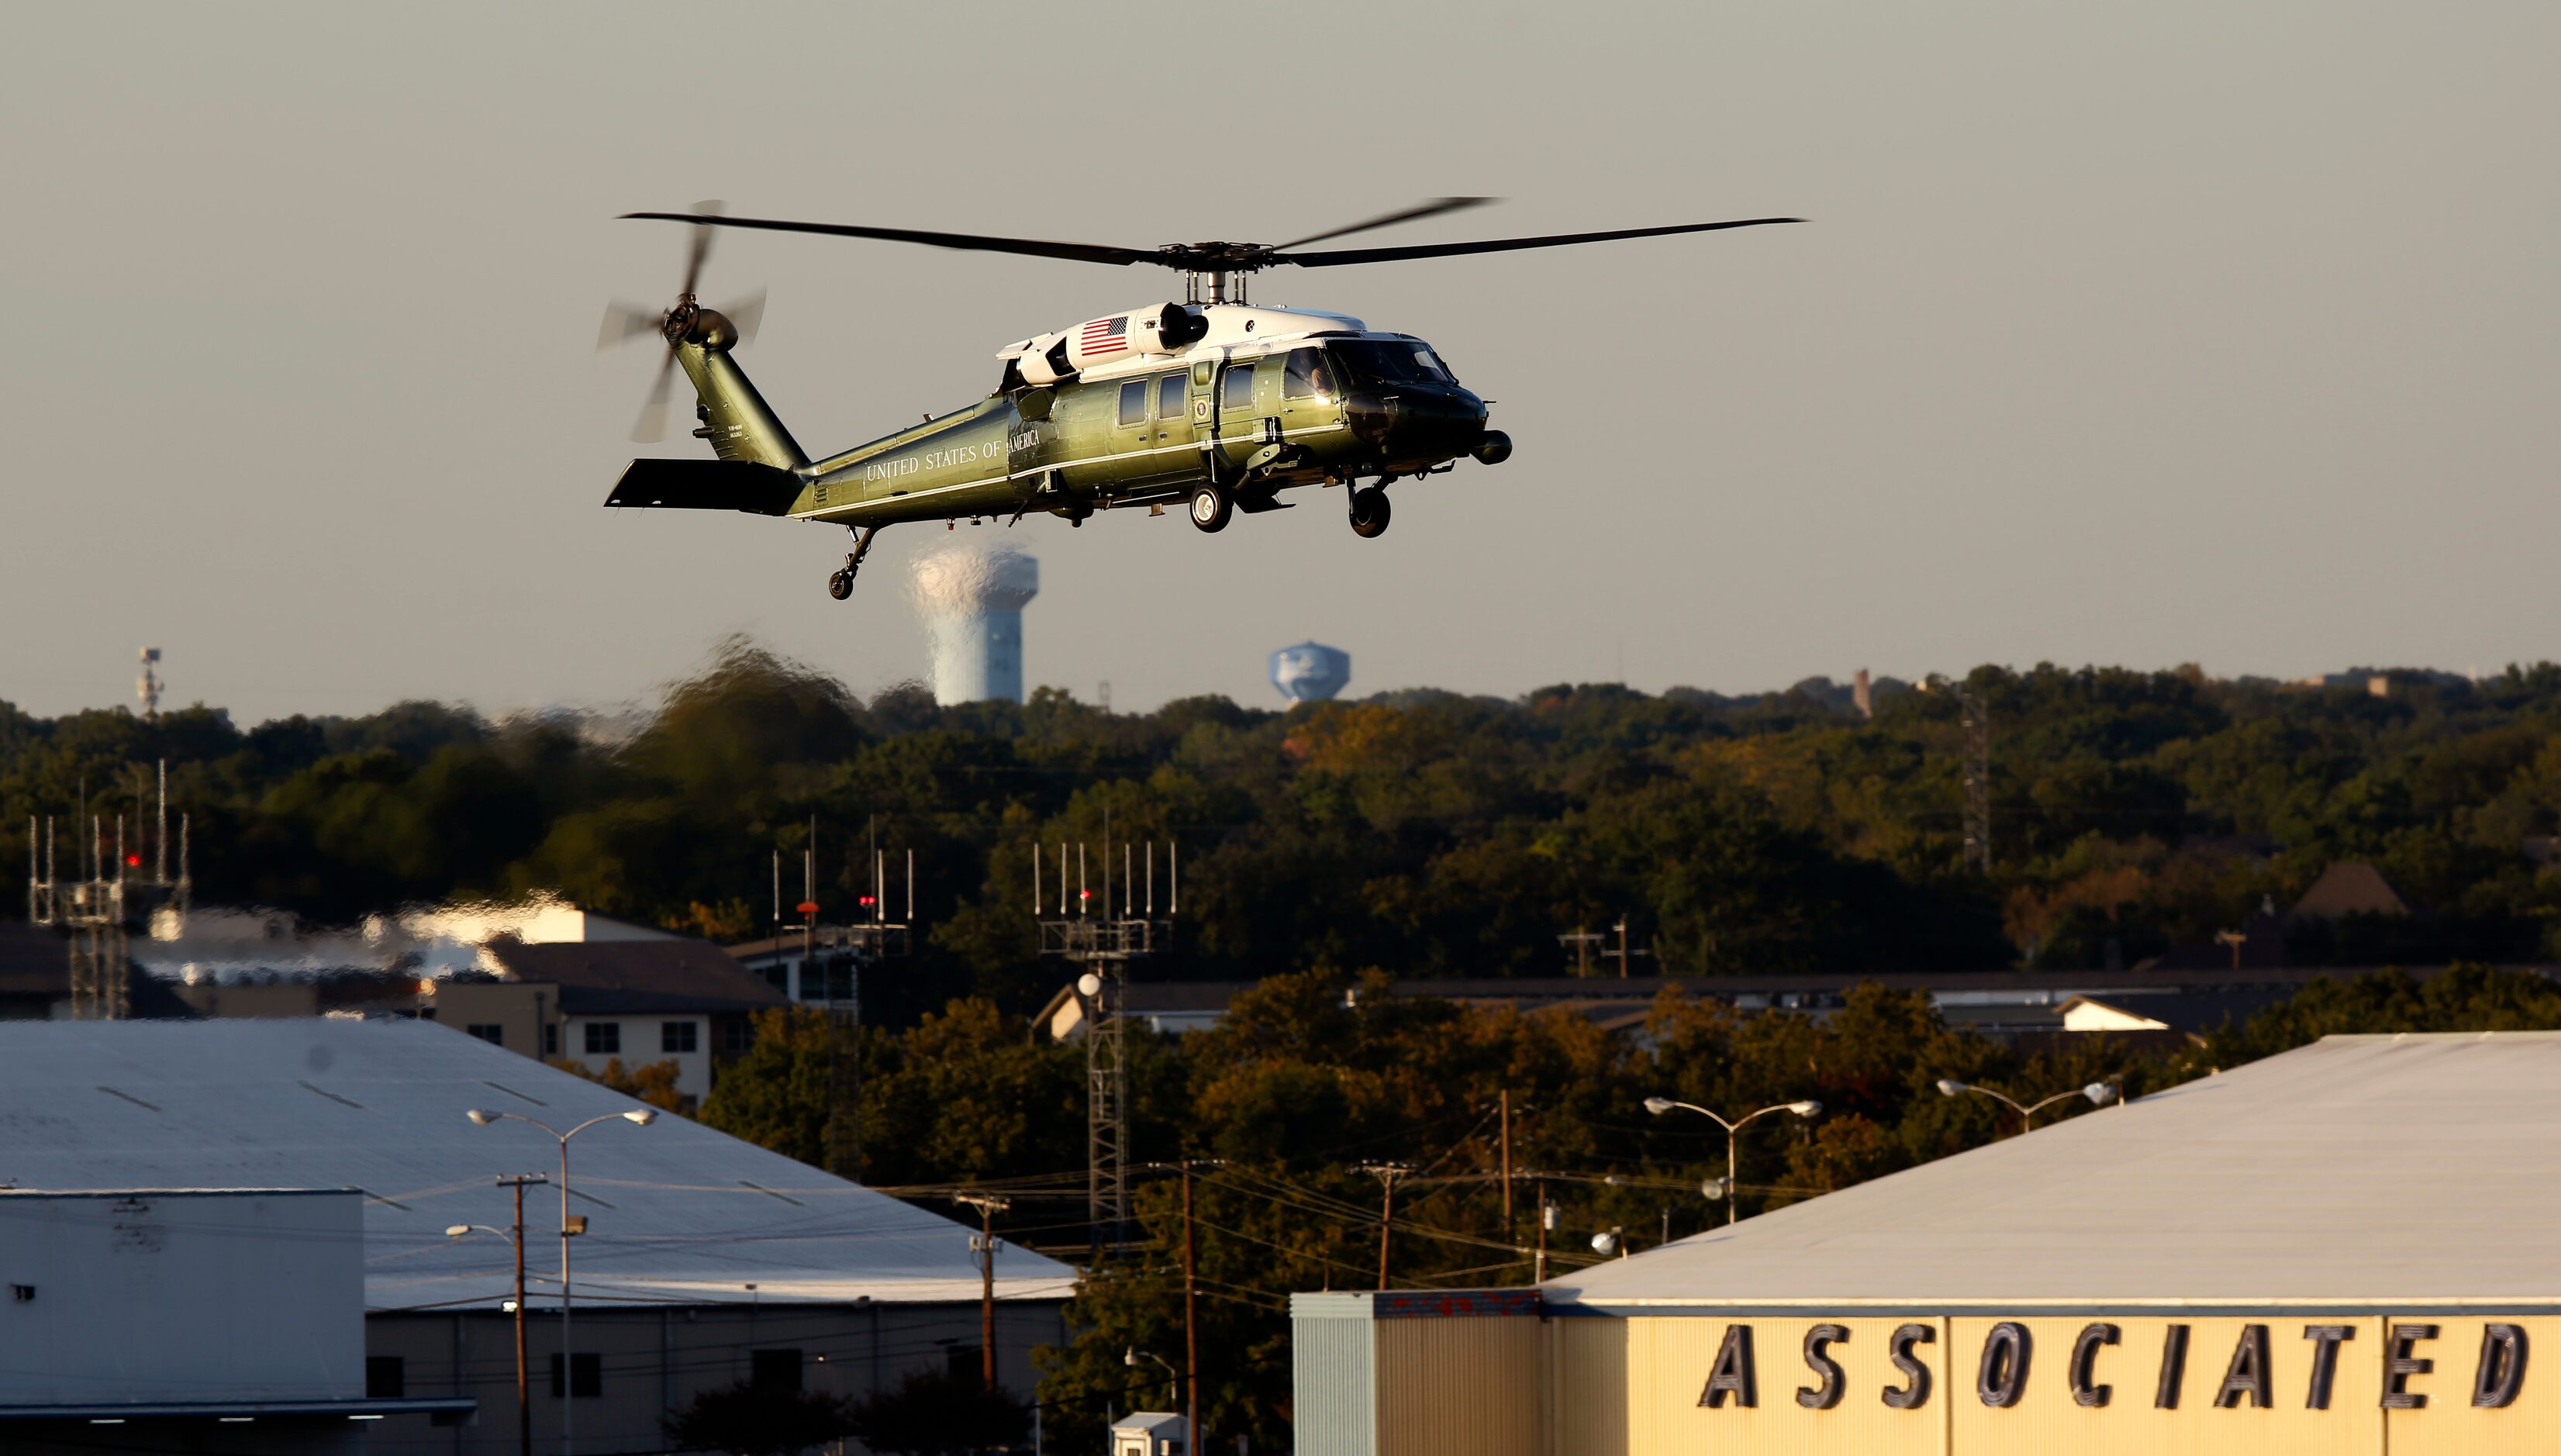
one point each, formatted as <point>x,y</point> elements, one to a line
<point>1173,1377</point>
<point>638,1117</point>
<point>516,1241</point>
<point>2098,1093</point>
<point>1661,1105</point>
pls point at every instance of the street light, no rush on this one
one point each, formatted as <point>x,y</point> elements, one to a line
<point>637,1117</point>
<point>1661,1105</point>
<point>515,1240</point>
<point>2098,1093</point>
<point>1132,1357</point>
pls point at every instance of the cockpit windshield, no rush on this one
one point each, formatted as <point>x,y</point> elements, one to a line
<point>1392,362</point>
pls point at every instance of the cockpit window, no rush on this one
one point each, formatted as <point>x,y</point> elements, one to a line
<point>1392,362</point>
<point>1308,376</point>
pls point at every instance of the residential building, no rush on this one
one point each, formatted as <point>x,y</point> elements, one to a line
<point>590,1004</point>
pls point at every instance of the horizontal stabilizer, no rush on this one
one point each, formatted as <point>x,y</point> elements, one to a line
<point>707,485</point>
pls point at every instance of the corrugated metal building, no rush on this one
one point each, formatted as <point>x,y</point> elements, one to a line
<point>158,1320</point>
<point>2346,1248</point>
<point>707,1260</point>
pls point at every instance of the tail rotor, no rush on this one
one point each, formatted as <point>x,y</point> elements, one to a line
<point>625,322</point>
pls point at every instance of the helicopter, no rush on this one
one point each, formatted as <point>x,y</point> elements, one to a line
<point>1210,401</point>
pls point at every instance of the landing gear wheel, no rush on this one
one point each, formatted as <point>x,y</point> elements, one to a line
<point>1369,512</point>
<point>840,584</point>
<point>1210,506</point>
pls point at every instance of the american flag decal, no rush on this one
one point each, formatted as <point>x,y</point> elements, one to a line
<point>1106,335</point>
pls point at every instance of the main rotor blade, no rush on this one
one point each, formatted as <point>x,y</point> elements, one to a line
<point>1342,256</point>
<point>1432,209</point>
<point>1091,253</point>
<point>651,426</point>
<point>701,248</point>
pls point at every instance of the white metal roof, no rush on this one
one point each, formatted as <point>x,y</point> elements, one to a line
<point>2401,1170</point>
<point>678,1212</point>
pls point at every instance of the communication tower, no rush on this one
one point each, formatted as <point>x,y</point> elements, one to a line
<point>972,600</point>
<point>834,984</point>
<point>1103,947</point>
<point>1310,672</point>
<point>98,909</point>
<point>147,687</point>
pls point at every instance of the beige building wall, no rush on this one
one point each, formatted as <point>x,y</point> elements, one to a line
<point>1458,1386</point>
<point>516,1010</point>
<point>1635,1387</point>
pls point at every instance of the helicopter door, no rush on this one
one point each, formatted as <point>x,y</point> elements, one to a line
<point>1204,406</point>
<point>1241,426</point>
<point>1127,455</point>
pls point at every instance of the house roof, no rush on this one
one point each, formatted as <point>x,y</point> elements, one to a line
<point>2414,1170</point>
<point>2351,888</point>
<point>681,1214</point>
<point>2196,1013</point>
<point>638,976</point>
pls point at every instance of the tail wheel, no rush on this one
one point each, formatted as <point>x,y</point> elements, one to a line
<point>1369,512</point>
<point>1210,506</point>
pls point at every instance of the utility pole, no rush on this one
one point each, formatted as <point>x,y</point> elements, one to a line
<point>1387,1174</point>
<point>1191,1321</point>
<point>984,1246</point>
<point>1508,1162</point>
<point>524,1400</point>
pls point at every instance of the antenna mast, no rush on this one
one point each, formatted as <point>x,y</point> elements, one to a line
<point>98,911</point>
<point>1104,948</point>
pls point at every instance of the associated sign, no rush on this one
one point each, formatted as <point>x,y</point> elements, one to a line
<point>2112,1380</point>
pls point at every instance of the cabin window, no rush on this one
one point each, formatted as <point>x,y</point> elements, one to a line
<point>1307,377</point>
<point>1238,392</point>
<point>1170,397</point>
<point>1133,402</point>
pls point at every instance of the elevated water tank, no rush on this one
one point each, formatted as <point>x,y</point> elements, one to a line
<point>1310,672</point>
<point>972,600</point>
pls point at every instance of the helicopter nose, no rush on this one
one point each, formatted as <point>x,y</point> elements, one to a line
<point>1415,420</point>
<point>1440,422</point>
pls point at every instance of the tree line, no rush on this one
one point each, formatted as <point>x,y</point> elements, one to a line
<point>1427,833</point>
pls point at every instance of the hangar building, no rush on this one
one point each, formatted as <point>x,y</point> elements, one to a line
<point>2350,1247</point>
<point>706,1262</point>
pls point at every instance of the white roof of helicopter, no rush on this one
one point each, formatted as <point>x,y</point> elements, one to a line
<point>1233,328</point>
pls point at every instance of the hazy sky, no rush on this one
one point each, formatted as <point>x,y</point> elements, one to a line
<point>2128,333</point>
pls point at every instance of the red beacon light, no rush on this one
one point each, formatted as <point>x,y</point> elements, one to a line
<point>808,907</point>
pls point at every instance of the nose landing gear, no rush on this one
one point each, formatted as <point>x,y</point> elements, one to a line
<point>1369,512</point>
<point>840,582</point>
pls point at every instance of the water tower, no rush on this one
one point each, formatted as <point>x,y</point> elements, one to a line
<point>1310,672</point>
<point>972,600</point>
